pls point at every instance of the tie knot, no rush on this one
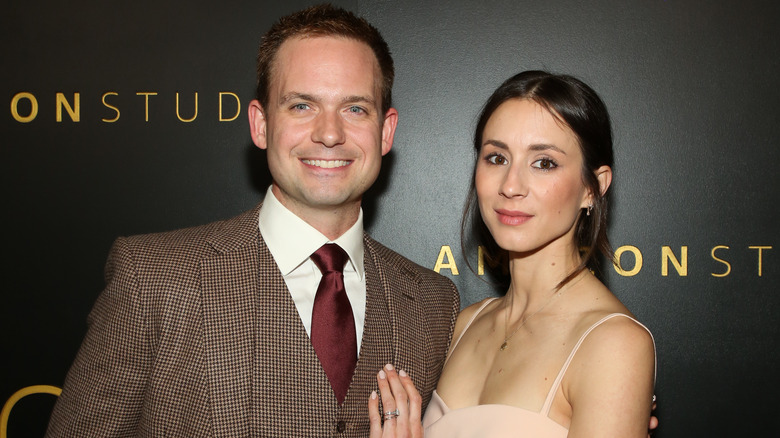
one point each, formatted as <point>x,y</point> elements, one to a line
<point>330,258</point>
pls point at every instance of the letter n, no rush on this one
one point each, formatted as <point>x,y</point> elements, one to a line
<point>680,266</point>
<point>73,111</point>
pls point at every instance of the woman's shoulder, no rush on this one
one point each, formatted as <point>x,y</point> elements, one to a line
<point>474,310</point>
<point>477,307</point>
<point>608,321</point>
<point>617,339</point>
<point>612,375</point>
<point>470,313</point>
<point>608,334</point>
<point>616,328</point>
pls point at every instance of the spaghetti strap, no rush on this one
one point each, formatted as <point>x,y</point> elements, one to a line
<point>468,324</point>
<point>557,383</point>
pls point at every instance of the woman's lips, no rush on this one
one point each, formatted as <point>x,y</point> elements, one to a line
<point>511,217</point>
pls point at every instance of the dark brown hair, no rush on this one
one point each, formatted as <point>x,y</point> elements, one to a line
<point>323,20</point>
<point>576,105</point>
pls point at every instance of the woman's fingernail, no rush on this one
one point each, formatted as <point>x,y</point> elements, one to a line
<point>373,395</point>
<point>402,373</point>
<point>389,367</point>
<point>382,374</point>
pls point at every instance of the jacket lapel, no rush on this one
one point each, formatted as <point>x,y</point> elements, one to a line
<point>290,379</point>
<point>377,347</point>
<point>392,317</point>
<point>229,282</point>
<point>409,326</point>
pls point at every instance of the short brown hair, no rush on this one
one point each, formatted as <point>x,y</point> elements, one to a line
<point>323,20</point>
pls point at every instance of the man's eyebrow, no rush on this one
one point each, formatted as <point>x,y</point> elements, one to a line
<point>296,96</point>
<point>359,99</point>
<point>311,98</point>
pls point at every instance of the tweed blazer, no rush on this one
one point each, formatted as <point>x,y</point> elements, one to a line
<point>196,335</point>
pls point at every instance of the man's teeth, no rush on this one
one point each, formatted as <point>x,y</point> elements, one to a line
<point>327,164</point>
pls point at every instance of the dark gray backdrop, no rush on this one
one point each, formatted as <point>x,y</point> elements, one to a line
<point>690,86</point>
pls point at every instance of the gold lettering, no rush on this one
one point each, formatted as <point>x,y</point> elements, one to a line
<point>75,114</point>
<point>146,95</point>
<point>481,260</point>
<point>446,252</point>
<point>15,107</point>
<point>196,109</point>
<point>728,265</point>
<point>637,260</point>
<point>760,250</point>
<point>110,93</point>
<point>238,106</point>
<point>680,267</point>
<point>492,261</point>
<point>18,395</point>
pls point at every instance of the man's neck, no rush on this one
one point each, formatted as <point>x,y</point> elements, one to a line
<point>331,221</point>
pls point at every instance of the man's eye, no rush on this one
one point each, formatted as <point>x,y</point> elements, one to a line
<point>300,106</point>
<point>356,110</point>
<point>544,164</point>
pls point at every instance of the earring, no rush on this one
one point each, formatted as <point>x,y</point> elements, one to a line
<point>590,207</point>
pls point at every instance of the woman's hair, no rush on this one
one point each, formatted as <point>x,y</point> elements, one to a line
<point>577,106</point>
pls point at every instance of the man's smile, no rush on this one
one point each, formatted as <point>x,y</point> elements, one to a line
<point>327,164</point>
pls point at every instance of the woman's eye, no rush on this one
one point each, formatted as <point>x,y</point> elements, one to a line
<point>544,164</point>
<point>496,159</point>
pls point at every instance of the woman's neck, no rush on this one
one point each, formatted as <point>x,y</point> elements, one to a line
<point>535,276</point>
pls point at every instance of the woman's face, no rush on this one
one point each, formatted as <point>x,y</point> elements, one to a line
<point>529,178</point>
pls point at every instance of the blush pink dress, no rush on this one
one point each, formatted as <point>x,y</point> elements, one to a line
<point>499,421</point>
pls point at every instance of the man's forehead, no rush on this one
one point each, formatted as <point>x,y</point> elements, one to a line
<point>298,56</point>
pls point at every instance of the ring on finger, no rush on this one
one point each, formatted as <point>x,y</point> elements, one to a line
<point>389,415</point>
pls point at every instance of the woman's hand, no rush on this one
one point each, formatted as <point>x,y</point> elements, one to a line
<point>402,406</point>
<point>653,419</point>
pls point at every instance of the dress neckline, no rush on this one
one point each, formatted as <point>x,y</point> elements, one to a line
<point>545,411</point>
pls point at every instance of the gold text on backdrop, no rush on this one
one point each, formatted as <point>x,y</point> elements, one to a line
<point>446,260</point>
<point>25,107</point>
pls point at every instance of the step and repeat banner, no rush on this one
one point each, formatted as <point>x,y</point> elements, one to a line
<point>127,118</point>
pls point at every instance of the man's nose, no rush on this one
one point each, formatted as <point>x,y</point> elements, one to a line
<point>329,129</point>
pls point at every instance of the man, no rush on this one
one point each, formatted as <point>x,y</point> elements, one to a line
<point>219,330</point>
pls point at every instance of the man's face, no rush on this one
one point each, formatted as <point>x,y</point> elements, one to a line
<point>323,127</point>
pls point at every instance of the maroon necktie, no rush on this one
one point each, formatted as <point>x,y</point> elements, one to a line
<point>332,324</point>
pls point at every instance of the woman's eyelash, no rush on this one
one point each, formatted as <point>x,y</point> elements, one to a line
<point>495,158</point>
<point>545,164</point>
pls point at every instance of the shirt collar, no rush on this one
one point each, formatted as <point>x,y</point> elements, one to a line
<point>291,240</point>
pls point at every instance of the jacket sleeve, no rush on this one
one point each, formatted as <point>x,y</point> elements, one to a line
<point>104,389</point>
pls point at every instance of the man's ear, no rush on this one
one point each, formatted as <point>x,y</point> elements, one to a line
<point>388,130</point>
<point>257,124</point>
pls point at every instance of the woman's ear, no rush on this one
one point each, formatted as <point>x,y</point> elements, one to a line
<point>604,175</point>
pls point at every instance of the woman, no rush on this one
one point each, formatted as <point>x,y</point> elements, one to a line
<point>558,355</point>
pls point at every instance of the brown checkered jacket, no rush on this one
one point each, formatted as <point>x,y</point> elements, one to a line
<point>196,335</point>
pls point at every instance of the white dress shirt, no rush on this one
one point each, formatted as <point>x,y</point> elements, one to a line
<point>292,241</point>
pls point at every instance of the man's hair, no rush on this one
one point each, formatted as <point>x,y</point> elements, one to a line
<point>320,21</point>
